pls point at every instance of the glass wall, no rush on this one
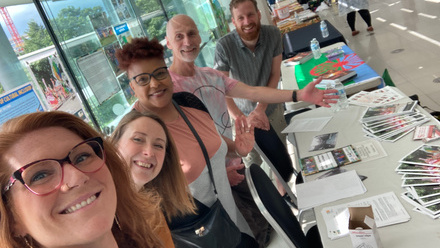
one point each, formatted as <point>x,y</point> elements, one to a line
<point>81,66</point>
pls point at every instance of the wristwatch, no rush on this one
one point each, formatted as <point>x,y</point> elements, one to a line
<point>294,99</point>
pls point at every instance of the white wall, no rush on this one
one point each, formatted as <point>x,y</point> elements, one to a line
<point>266,18</point>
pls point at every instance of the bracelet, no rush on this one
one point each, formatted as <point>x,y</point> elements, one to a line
<point>238,154</point>
<point>294,99</point>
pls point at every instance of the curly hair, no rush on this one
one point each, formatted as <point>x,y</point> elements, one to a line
<point>135,218</point>
<point>171,182</point>
<point>138,49</point>
<point>234,3</point>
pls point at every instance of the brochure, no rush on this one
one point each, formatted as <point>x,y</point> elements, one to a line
<point>375,98</point>
<point>328,160</point>
<point>299,58</point>
<point>423,155</point>
<point>420,182</point>
<point>413,168</point>
<point>323,141</point>
<point>386,111</point>
<point>422,192</point>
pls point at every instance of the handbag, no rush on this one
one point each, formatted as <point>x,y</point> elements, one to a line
<point>211,227</point>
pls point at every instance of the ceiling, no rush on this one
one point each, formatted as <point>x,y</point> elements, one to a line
<point>6,3</point>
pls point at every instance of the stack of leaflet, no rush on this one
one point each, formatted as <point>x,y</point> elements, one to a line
<point>374,98</point>
<point>420,171</point>
<point>391,122</point>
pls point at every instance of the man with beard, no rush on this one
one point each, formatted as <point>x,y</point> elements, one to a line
<point>213,88</point>
<point>252,54</point>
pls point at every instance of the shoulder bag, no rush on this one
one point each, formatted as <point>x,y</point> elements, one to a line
<point>211,228</point>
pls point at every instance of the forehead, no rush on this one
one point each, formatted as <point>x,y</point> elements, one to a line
<point>144,65</point>
<point>51,142</point>
<point>244,8</point>
<point>146,125</point>
<point>182,24</point>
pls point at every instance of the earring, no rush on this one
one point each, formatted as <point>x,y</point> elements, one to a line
<point>27,243</point>
<point>117,222</point>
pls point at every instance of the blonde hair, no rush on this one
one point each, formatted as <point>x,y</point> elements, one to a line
<point>170,183</point>
<point>135,219</point>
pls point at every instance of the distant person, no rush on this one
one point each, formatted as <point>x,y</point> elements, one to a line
<point>349,8</point>
<point>64,186</point>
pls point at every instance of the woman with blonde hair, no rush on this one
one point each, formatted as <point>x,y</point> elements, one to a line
<point>147,147</point>
<point>64,186</point>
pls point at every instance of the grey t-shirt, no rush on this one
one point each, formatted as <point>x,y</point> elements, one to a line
<point>252,68</point>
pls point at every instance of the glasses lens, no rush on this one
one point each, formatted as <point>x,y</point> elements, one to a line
<point>160,73</point>
<point>87,157</point>
<point>42,177</point>
<point>143,79</point>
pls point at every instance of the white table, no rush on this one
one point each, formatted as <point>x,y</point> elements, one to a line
<point>289,81</point>
<point>421,230</point>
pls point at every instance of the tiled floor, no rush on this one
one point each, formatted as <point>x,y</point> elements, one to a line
<point>408,26</point>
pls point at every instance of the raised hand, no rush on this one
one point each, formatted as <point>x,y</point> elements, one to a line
<point>316,96</point>
<point>244,136</point>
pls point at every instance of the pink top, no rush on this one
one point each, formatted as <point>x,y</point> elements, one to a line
<point>190,154</point>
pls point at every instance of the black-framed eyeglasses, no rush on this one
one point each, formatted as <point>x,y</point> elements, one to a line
<point>144,79</point>
<point>44,176</point>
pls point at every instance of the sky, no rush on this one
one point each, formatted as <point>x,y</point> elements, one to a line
<point>22,14</point>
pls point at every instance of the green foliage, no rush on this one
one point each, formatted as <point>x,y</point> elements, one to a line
<point>156,27</point>
<point>38,37</point>
<point>70,23</point>
<point>73,22</point>
<point>147,6</point>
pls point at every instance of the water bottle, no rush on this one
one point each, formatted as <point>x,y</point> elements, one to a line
<point>333,106</point>
<point>343,102</point>
<point>316,50</point>
<point>297,20</point>
<point>324,29</point>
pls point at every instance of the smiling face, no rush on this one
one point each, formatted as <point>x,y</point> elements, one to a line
<point>246,19</point>
<point>143,147</point>
<point>81,214</point>
<point>158,93</point>
<point>183,38</point>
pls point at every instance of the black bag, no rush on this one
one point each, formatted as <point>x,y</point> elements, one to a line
<point>212,227</point>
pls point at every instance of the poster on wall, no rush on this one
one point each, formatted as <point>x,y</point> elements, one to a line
<point>103,29</point>
<point>124,82</point>
<point>99,75</point>
<point>19,101</point>
<point>123,34</point>
<point>121,9</point>
<point>52,81</point>
<point>219,15</point>
<point>110,51</point>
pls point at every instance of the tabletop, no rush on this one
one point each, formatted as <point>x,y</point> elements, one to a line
<point>382,178</point>
<point>289,81</point>
<point>299,40</point>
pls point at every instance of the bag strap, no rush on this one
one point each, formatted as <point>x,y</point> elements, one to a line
<point>202,146</point>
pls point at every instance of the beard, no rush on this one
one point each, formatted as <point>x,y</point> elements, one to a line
<point>249,36</point>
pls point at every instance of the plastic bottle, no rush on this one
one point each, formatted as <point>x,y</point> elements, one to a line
<point>343,102</point>
<point>316,50</point>
<point>334,106</point>
<point>324,29</point>
<point>297,20</point>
